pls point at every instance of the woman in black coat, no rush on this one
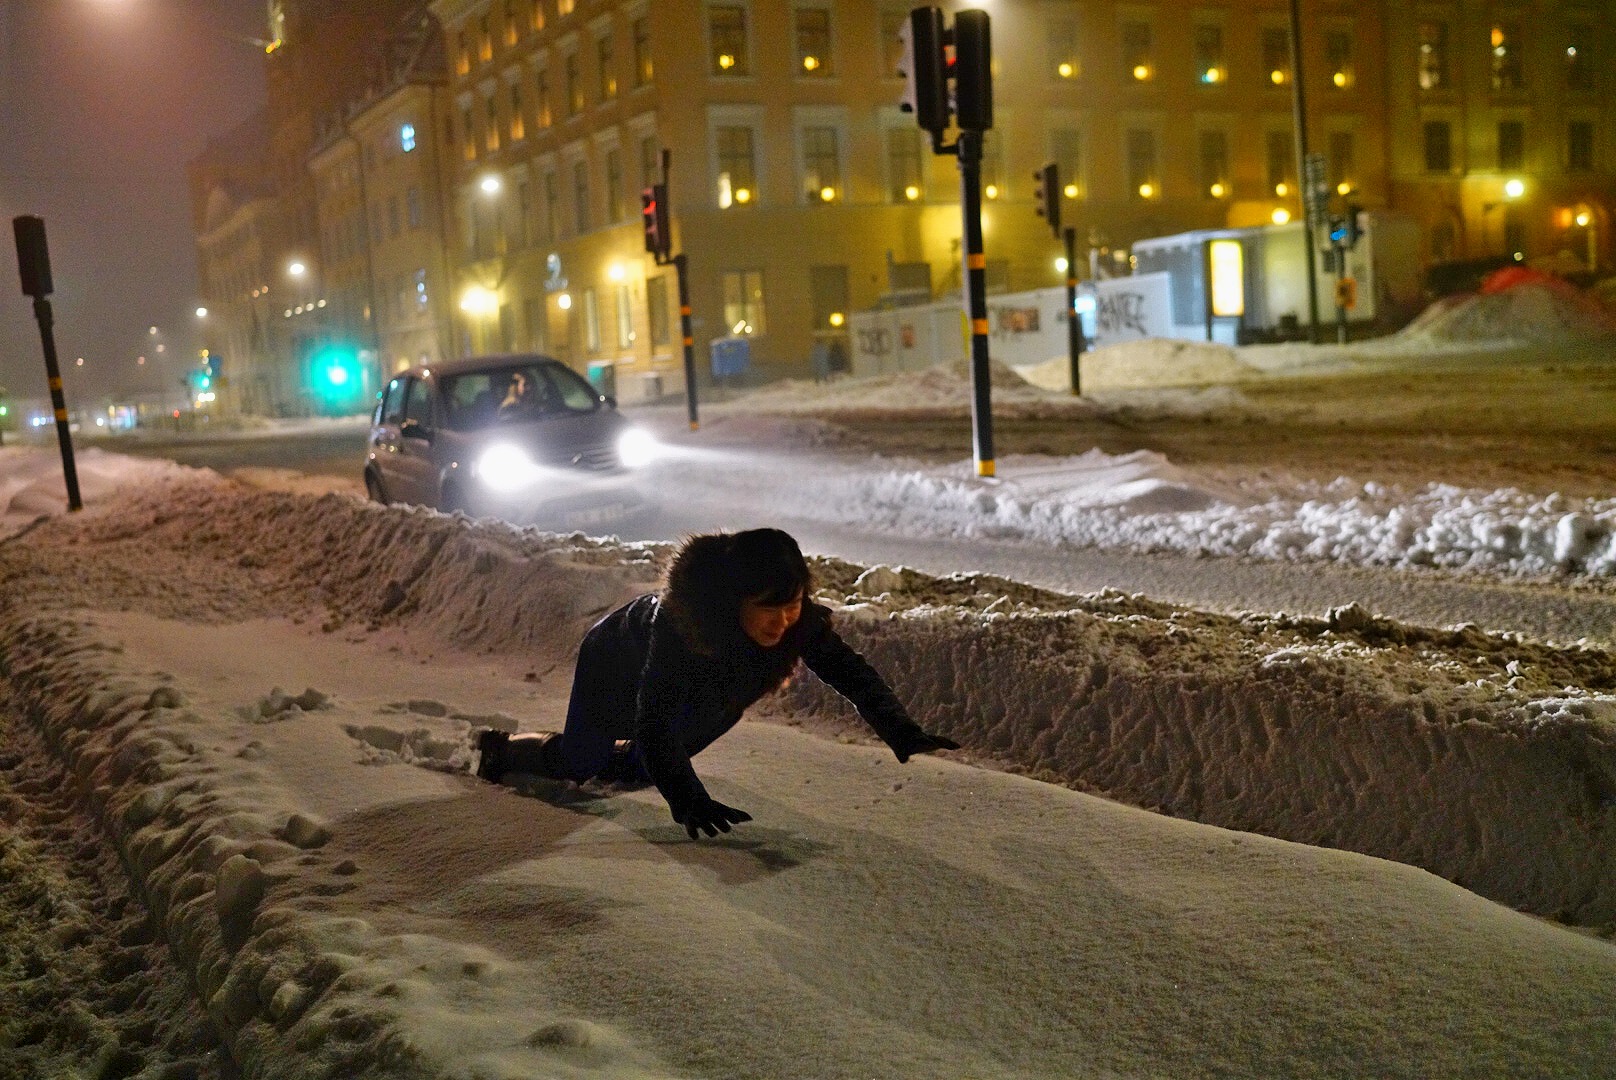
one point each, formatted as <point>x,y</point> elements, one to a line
<point>663,676</point>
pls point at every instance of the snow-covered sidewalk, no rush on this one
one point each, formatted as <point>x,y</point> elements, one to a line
<point>268,700</point>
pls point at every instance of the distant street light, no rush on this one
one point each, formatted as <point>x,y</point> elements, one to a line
<point>489,184</point>
<point>201,312</point>
<point>296,268</point>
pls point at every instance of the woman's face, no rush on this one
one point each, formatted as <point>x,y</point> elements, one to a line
<point>766,624</point>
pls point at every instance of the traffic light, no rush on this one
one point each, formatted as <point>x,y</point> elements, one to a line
<point>1048,196</point>
<point>654,213</point>
<point>973,70</point>
<point>924,69</point>
<point>1354,225</point>
<point>336,377</point>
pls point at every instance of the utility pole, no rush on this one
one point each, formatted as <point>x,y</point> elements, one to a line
<point>1299,120</point>
<point>656,213</point>
<point>927,72</point>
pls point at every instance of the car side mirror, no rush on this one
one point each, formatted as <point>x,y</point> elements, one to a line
<point>414,429</point>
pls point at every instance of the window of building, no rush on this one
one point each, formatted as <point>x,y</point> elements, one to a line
<point>1507,48</point>
<point>463,53</point>
<point>658,311</point>
<point>1214,158</point>
<point>552,207</point>
<point>507,327</point>
<point>1066,151</point>
<point>821,165</point>
<point>625,318</point>
<point>1143,182</point>
<point>511,26</point>
<point>413,212</point>
<point>1281,162</point>
<point>643,68</point>
<point>813,42</point>
<point>1511,144</point>
<point>1210,67</point>
<point>726,35</point>
<point>1276,55</point>
<point>904,164</point>
<point>1138,61</point>
<point>485,40</point>
<point>580,197</point>
<point>535,16</point>
<point>449,134</point>
<point>743,302</point>
<point>518,120</point>
<point>608,69</point>
<point>650,161</point>
<point>395,220</point>
<point>591,321</point>
<point>565,7</point>
<point>420,289</point>
<point>1579,57</point>
<point>992,167</point>
<point>1433,57</point>
<point>490,124</point>
<point>828,289</point>
<point>893,21</point>
<point>1343,167</point>
<point>533,317</point>
<point>1580,146</point>
<point>575,85</point>
<point>1061,49</point>
<point>737,166</point>
<point>541,86</point>
<point>524,214</point>
<point>1339,66</point>
<point>616,206</point>
<point>468,134</point>
<point>1438,146</point>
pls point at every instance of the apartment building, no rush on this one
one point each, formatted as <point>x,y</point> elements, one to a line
<point>800,192</point>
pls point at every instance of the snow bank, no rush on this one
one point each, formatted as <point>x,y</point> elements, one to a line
<point>1484,758</point>
<point>1535,313</point>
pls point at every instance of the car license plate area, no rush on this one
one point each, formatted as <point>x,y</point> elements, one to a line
<point>593,515</point>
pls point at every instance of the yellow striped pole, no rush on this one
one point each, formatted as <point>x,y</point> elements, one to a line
<point>969,147</point>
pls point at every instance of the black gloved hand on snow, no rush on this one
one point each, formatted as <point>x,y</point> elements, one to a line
<point>911,740</point>
<point>709,815</point>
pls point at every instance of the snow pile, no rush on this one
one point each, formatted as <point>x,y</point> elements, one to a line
<point>1533,313</point>
<point>31,483</point>
<point>1141,502</point>
<point>1149,363</point>
<point>943,387</point>
<point>1259,723</point>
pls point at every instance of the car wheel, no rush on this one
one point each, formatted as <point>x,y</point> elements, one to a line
<point>373,489</point>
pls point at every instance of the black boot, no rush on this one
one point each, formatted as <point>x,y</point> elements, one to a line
<point>491,754</point>
<point>535,755</point>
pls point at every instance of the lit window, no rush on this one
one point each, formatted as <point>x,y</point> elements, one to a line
<point>726,28</point>
<point>813,42</point>
<point>743,302</point>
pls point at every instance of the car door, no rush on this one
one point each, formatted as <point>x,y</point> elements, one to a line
<point>416,461</point>
<point>384,440</point>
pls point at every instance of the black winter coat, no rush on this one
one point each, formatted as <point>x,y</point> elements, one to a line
<point>658,671</point>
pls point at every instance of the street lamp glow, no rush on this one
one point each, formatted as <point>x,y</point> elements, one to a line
<point>296,268</point>
<point>1061,264</point>
<point>477,300</point>
<point>1280,216</point>
<point>615,271</point>
<point>564,301</point>
<point>912,192</point>
<point>201,312</point>
<point>489,184</point>
<point>1583,218</point>
<point>1514,188</point>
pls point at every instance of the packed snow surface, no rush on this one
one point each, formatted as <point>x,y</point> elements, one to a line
<point>268,701</point>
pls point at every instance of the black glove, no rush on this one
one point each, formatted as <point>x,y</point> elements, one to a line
<point>710,816</point>
<point>908,741</point>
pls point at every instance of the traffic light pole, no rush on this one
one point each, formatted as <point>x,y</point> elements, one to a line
<point>33,260</point>
<point>969,147</point>
<point>1074,322</point>
<point>688,335</point>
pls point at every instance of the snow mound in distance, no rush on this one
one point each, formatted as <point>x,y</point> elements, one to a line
<point>1532,312</point>
<point>1152,362</point>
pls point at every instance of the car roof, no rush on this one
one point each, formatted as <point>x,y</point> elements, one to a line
<point>491,362</point>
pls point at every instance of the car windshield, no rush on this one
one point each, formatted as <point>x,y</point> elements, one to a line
<point>514,394</point>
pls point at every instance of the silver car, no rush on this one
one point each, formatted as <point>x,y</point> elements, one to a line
<point>521,437</point>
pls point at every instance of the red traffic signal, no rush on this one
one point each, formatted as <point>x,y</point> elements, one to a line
<point>654,212</point>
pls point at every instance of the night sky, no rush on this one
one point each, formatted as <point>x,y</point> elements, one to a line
<point>102,103</point>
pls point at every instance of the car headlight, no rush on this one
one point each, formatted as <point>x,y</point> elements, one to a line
<point>504,467</point>
<point>636,448</point>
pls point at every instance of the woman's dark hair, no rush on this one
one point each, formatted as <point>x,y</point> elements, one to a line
<point>768,566</point>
